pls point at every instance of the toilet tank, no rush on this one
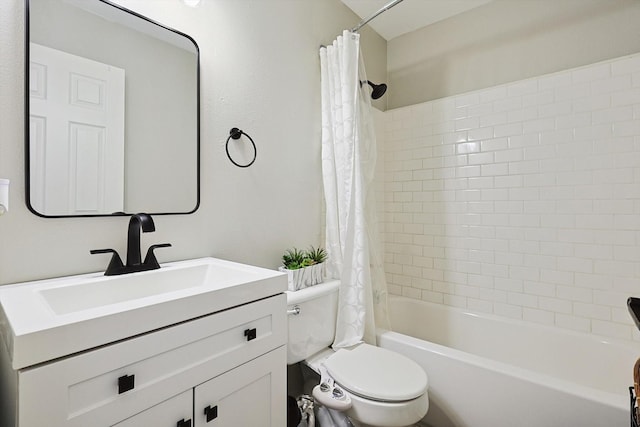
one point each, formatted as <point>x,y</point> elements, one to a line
<point>313,328</point>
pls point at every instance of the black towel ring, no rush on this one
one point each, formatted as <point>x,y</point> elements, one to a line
<point>236,133</point>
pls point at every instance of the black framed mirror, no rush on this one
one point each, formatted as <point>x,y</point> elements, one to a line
<point>112,112</point>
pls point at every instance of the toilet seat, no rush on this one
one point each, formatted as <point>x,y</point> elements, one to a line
<point>377,374</point>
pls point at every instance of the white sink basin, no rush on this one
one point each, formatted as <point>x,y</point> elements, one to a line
<point>53,318</point>
<point>98,292</point>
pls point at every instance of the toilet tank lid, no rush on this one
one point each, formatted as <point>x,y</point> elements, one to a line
<point>315,291</point>
<point>377,373</point>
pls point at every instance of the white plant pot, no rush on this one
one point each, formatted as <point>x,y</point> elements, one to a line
<point>304,277</point>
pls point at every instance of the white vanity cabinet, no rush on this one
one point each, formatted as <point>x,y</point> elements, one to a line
<point>232,362</point>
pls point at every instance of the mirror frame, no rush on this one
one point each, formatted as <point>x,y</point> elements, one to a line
<point>27,113</point>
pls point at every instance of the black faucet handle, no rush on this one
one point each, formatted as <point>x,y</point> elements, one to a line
<point>115,265</point>
<point>150,258</point>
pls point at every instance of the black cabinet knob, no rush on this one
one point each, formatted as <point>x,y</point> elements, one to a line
<point>250,334</point>
<point>126,383</point>
<point>184,423</point>
<point>211,413</point>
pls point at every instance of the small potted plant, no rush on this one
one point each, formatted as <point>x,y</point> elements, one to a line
<point>304,267</point>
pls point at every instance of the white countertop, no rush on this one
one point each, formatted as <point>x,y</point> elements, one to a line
<point>48,319</point>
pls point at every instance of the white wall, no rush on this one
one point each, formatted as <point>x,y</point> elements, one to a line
<point>506,41</point>
<point>259,72</point>
<point>521,200</point>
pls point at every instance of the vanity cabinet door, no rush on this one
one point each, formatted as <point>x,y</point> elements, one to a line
<point>253,394</point>
<point>175,412</point>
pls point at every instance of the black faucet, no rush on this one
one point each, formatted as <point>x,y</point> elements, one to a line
<point>138,222</point>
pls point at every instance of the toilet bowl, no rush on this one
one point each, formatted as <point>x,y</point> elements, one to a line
<point>383,388</point>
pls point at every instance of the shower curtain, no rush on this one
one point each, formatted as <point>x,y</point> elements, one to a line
<point>348,163</point>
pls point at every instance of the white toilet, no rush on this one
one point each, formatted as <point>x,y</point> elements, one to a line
<point>383,388</point>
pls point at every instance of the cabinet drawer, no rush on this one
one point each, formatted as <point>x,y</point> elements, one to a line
<point>109,384</point>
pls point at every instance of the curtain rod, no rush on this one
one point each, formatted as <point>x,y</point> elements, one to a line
<point>370,18</point>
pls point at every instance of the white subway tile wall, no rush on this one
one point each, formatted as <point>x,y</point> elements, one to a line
<point>521,200</point>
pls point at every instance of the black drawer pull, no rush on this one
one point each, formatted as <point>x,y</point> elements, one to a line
<point>184,423</point>
<point>126,383</point>
<point>211,413</point>
<point>250,334</point>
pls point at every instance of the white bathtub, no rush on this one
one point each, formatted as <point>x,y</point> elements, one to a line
<point>485,371</point>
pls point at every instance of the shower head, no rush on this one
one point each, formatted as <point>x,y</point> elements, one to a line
<point>378,90</point>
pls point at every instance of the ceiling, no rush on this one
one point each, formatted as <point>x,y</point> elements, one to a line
<point>409,15</point>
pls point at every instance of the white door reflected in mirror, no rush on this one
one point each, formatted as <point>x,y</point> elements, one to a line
<point>77,133</point>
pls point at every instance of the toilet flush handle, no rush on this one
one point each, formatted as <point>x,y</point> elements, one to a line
<point>293,311</point>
